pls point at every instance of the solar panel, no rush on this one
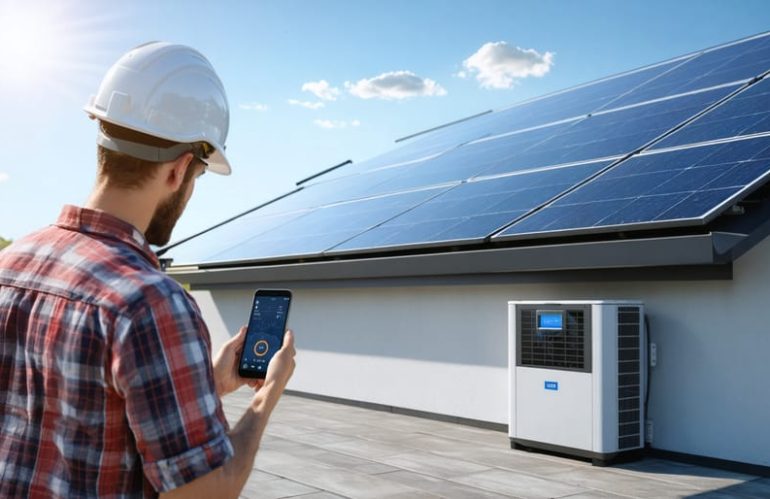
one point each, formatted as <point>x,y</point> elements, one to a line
<point>627,152</point>
<point>745,114</point>
<point>612,133</point>
<point>458,164</point>
<point>206,246</point>
<point>728,64</point>
<point>570,104</point>
<point>310,232</point>
<point>472,210</point>
<point>658,188</point>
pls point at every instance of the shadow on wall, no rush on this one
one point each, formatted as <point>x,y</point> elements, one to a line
<point>460,326</point>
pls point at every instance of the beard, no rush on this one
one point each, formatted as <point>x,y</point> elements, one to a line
<point>165,217</point>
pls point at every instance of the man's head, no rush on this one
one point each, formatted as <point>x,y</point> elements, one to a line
<point>163,120</point>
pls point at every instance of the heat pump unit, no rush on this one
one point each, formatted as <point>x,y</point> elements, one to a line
<point>577,377</point>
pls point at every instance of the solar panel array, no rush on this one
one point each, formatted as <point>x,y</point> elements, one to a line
<point>671,144</point>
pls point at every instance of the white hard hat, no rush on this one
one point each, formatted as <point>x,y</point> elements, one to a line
<point>167,91</point>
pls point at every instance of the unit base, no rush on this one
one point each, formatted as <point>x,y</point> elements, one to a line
<point>596,458</point>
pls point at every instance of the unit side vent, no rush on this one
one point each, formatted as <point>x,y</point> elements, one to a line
<point>565,349</point>
<point>629,382</point>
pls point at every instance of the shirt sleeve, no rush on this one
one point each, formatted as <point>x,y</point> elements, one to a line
<point>162,368</point>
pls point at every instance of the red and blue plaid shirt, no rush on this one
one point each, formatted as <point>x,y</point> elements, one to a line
<point>106,381</point>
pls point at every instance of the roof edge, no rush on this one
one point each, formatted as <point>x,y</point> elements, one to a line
<point>674,251</point>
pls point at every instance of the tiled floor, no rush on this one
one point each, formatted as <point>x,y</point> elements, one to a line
<point>319,450</point>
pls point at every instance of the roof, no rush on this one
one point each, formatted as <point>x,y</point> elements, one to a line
<point>662,166</point>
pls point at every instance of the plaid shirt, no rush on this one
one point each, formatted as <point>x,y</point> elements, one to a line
<point>106,381</point>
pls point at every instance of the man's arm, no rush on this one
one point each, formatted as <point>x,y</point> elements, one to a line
<point>228,480</point>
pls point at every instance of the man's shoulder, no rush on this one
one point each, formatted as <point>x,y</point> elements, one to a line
<point>149,289</point>
<point>132,283</point>
<point>102,271</point>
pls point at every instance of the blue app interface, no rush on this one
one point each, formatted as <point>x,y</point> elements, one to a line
<point>265,332</point>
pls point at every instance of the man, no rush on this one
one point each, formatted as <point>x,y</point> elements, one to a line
<point>107,387</point>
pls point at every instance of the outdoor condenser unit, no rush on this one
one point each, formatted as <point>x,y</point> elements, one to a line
<point>577,377</point>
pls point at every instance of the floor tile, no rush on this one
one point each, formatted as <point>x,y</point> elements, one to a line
<point>275,489</point>
<point>518,484</point>
<point>321,450</point>
<point>443,488</point>
<point>433,464</point>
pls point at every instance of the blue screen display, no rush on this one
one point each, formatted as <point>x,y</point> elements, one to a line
<point>264,336</point>
<point>550,320</point>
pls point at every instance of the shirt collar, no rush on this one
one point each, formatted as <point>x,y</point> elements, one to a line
<point>103,224</point>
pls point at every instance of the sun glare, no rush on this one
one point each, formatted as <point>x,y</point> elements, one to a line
<point>32,42</point>
<point>56,45</point>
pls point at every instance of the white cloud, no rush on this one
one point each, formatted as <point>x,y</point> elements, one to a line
<point>306,104</point>
<point>499,65</point>
<point>321,89</point>
<point>394,85</point>
<point>4,177</point>
<point>336,124</point>
<point>254,106</point>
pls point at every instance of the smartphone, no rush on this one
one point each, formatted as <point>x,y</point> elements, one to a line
<point>264,335</point>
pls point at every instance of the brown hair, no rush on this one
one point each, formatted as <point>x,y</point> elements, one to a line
<point>126,172</point>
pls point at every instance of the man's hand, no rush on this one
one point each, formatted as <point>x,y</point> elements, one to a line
<point>282,364</point>
<point>226,366</point>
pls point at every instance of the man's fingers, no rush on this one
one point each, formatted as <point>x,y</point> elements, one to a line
<point>288,340</point>
<point>238,338</point>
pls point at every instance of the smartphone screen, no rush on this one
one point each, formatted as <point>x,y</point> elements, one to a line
<point>264,335</point>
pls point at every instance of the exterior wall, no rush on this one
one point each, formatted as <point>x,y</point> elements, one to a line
<point>443,349</point>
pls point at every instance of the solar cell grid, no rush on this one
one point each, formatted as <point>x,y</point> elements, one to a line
<point>744,114</point>
<point>573,103</point>
<point>317,230</point>
<point>472,210</point>
<point>660,188</point>
<point>611,133</point>
<point>206,246</point>
<point>463,162</point>
<point>738,62</point>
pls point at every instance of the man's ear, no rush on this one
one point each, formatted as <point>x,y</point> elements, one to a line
<point>176,173</point>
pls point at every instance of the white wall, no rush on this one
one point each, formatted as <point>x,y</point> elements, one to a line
<point>443,350</point>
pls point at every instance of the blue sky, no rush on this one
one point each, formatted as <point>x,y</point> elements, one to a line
<point>54,53</point>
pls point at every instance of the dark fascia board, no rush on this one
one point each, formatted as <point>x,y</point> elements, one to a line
<point>674,251</point>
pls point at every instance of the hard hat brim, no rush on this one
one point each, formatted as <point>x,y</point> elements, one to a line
<point>217,162</point>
